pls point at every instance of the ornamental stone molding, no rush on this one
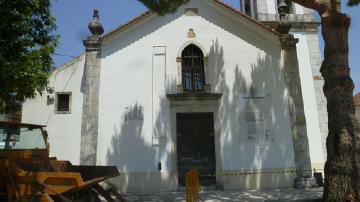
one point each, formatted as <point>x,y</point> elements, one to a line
<point>191,33</point>
<point>196,102</point>
<point>288,41</point>
<point>92,43</point>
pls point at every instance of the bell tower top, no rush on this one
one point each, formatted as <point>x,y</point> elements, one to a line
<point>270,11</point>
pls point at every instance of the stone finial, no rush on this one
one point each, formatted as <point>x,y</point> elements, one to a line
<point>95,26</point>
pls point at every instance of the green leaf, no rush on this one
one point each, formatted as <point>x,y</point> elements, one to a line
<point>26,45</point>
<point>353,2</point>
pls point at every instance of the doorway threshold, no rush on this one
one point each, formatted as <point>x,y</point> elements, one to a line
<point>202,188</point>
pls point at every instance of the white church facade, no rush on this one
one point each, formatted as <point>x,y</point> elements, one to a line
<point>207,86</point>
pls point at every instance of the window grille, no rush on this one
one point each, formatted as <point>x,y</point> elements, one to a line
<point>193,69</point>
<point>63,102</point>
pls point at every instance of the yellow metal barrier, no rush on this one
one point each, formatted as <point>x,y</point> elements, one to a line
<point>192,185</point>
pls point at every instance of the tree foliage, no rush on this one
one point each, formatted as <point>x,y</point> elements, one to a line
<point>163,6</point>
<point>26,46</point>
<point>353,2</point>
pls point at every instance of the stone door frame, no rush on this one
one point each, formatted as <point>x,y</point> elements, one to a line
<point>195,103</point>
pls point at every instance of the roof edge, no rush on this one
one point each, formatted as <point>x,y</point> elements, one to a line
<point>143,16</point>
<point>147,14</point>
<point>68,63</point>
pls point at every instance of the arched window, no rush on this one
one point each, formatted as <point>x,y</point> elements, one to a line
<point>193,68</point>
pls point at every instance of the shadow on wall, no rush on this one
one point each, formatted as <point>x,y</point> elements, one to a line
<point>162,122</point>
<point>133,153</point>
<point>253,119</point>
<point>129,151</point>
<point>265,143</point>
<point>127,139</point>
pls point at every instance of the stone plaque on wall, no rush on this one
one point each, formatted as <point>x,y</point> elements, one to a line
<point>255,120</point>
<point>254,124</point>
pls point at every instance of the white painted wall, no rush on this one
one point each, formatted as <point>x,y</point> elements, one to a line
<point>309,97</point>
<point>299,9</point>
<point>64,129</point>
<point>271,6</point>
<point>238,57</point>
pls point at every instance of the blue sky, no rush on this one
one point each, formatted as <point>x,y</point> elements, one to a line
<point>73,16</point>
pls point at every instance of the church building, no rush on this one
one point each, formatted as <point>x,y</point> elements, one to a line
<point>225,90</point>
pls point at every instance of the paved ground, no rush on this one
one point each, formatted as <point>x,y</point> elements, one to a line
<point>273,195</point>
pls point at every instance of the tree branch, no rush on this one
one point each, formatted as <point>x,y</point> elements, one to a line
<point>321,6</point>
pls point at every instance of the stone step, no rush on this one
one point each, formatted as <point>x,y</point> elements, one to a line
<point>207,188</point>
<point>202,188</point>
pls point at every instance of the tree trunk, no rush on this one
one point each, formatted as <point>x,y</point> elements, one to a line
<point>342,168</point>
<point>342,181</point>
